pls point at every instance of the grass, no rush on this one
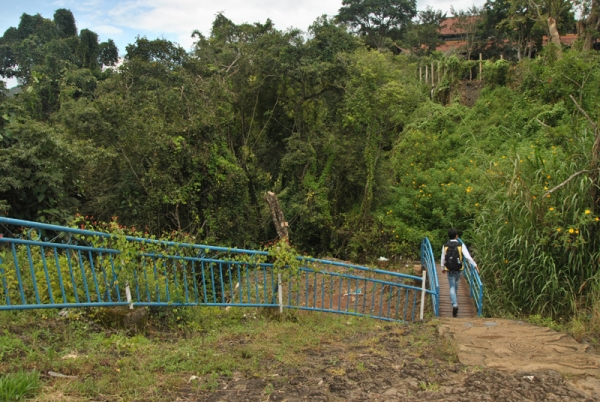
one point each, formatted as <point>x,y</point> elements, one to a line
<point>158,363</point>
<point>187,353</point>
<point>19,385</point>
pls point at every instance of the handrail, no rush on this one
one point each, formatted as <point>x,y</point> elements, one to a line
<point>50,266</point>
<point>37,225</point>
<point>475,284</point>
<point>428,261</point>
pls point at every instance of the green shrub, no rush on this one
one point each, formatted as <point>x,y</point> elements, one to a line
<point>496,73</point>
<point>18,386</point>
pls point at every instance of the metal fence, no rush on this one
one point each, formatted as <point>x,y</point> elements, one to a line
<point>475,284</point>
<point>428,262</point>
<point>49,266</point>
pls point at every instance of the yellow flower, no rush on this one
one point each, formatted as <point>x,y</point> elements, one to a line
<point>587,211</point>
<point>478,205</point>
<point>558,230</point>
<point>597,219</point>
<point>576,231</point>
<point>548,177</point>
<point>571,231</point>
<point>551,208</point>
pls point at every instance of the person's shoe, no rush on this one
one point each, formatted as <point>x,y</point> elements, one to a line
<point>454,311</point>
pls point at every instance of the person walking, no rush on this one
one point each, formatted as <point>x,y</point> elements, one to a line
<point>453,254</point>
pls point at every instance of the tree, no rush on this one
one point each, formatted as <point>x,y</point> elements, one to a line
<point>65,23</point>
<point>588,27</point>
<point>553,16</point>
<point>466,26</point>
<point>108,54</point>
<point>515,21</point>
<point>423,35</point>
<point>51,46</point>
<point>377,20</point>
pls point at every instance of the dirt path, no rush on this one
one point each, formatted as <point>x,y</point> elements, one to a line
<point>513,346</point>
<point>419,362</point>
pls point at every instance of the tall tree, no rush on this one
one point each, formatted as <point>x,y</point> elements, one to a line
<point>588,26</point>
<point>378,20</point>
<point>553,16</point>
<point>423,35</point>
<point>65,23</point>
<point>466,26</point>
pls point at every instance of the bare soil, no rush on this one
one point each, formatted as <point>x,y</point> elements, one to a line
<point>393,363</point>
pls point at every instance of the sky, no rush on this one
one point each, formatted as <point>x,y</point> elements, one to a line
<point>124,20</point>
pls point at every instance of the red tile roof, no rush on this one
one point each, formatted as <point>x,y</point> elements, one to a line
<point>449,28</point>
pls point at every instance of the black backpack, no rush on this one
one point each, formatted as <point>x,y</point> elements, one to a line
<point>453,258</point>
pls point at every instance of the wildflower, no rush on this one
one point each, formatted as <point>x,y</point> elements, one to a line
<point>597,219</point>
<point>571,230</point>
<point>548,177</point>
<point>551,208</point>
<point>587,211</point>
<point>576,231</point>
<point>558,230</point>
<point>477,204</point>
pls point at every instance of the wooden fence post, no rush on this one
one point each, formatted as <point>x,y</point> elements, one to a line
<point>423,289</point>
<point>480,66</point>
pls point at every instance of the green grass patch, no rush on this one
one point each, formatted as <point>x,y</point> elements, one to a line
<point>18,386</point>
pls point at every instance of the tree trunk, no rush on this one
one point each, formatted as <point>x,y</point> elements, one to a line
<point>282,230</point>
<point>278,218</point>
<point>586,27</point>
<point>554,35</point>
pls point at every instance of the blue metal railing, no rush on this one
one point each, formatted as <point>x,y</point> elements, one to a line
<point>475,284</point>
<point>82,268</point>
<point>428,261</point>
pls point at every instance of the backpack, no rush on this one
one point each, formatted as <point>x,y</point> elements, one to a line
<point>453,260</point>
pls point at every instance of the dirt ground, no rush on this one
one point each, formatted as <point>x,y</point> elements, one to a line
<point>407,363</point>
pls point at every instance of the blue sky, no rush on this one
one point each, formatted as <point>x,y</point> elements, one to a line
<point>124,20</point>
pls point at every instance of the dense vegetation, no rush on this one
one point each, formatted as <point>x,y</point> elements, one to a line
<point>365,158</point>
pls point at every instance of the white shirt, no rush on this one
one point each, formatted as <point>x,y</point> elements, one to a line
<point>465,253</point>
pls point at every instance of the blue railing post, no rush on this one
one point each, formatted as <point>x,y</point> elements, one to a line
<point>475,284</point>
<point>428,261</point>
<point>4,285</point>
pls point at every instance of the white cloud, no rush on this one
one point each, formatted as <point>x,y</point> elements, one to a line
<point>179,16</point>
<point>107,29</point>
<point>176,19</point>
<point>183,16</point>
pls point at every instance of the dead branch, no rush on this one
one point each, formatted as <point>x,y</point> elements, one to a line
<point>565,182</point>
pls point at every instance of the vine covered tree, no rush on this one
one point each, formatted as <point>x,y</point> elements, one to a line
<point>378,20</point>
